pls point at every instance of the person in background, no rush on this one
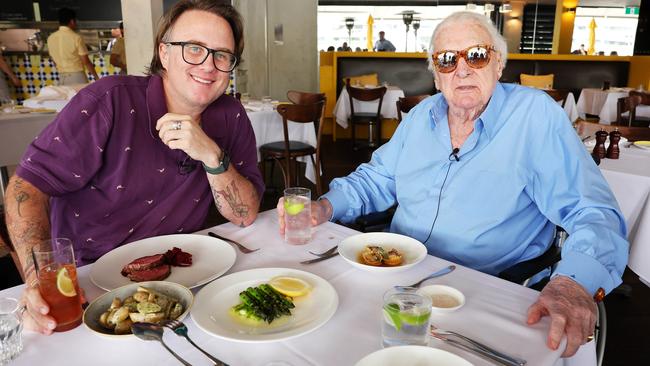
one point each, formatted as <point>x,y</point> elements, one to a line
<point>69,52</point>
<point>613,53</point>
<point>331,48</point>
<point>118,53</point>
<point>383,44</point>
<point>5,69</point>
<point>357,49</point>
<point>467,184</point>
<point>582,50</point>
<point>345,47</point>
<point>601,53</point>
<point>131,157</point>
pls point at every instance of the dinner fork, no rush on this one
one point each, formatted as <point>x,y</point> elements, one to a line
<point>439,273</point>
<point>475,346</point>
<point>325,253</point>
<point>180,329</point>
<point>239,246</point>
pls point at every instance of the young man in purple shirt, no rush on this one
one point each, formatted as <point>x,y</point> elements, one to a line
<point>133,157</point>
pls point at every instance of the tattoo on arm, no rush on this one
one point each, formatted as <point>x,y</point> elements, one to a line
<point>20,196</point>
<point>232,196</point>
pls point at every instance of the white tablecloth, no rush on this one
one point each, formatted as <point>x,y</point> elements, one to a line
<point>629,179</point>
<point>570,107</point>
<point>267,126</point>
<point>342,109</point>
<point>603,104</point>
<point>494,313</point>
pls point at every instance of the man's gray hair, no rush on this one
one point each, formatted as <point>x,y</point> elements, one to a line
<point>498,41</point>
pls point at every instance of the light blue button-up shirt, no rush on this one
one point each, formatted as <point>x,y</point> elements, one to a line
<point>522,171</point>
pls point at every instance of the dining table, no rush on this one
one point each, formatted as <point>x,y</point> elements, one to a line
<point>602,103</point>
<point>342,110</point>
<point>570,107</point>
<point>494,313</point>
<point>629,178</point>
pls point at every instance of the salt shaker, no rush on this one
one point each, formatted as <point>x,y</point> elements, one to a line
<point>599,149</point>
<point>613,150</point>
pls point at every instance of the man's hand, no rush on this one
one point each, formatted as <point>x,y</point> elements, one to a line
<point>321,211</point>
<point>572,311</point>
<point>36,316</point>
<point>179,131</point>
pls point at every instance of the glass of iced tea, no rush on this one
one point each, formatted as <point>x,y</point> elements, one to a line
<point>297,215</point>
<point>57,281</point>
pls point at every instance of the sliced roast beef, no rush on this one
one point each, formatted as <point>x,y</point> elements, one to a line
<point>152,274</point>
<point>177,257</point>
<point>144,263</point>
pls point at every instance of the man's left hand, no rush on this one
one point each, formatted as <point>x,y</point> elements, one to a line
<point>180,132</point>
<point>572,311</point>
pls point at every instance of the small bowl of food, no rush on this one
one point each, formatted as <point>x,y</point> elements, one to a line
<point>112,313</point>
<point>382,252</point>
<point>444,299</point>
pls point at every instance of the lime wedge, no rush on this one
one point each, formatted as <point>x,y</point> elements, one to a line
<point>415,319</point>
<point>392,316</point>
<point>64,283</point>
<point>293,208</point>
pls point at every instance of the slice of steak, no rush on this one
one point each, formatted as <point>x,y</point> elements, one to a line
<point>152,274</point>
<point>143,263</point>
<point>177,257</point>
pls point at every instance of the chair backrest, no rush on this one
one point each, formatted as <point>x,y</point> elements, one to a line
<point>365,95</point>
<point>585,128</point>
<point>299,97</point>
<point>404,105</point>
<point>645,96</point>
<point>304,113</point>
<point>627,104</point>
<point>558,95</point>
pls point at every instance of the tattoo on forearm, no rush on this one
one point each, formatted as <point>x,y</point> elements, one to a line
<point>232,196</point>
<point>28,268</point>
<point>215,194</point>
<point>20,196</point>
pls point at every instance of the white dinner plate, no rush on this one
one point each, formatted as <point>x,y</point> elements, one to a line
<point>642,144</point>
<point>211,257</point>
<point>412,356</point>
<point>211,309</point>
<point>412,250</point>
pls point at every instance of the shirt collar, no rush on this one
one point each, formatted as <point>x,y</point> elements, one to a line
<point>66,28</point>
<point>489,118</point>
<point>156,105</point>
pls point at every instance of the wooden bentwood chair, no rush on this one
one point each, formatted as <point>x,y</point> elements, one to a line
<point>285,152</point>
<point>365,118</point>
<point>558,95</point>
<point>405,104</point>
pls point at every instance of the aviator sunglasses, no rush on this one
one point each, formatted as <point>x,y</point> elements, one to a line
<point>476,57</point>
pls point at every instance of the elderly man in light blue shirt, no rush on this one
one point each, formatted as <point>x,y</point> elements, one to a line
<point>481,174</point>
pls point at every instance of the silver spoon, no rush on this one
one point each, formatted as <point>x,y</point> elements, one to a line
<point>441,272</point>
<point>154,332</point>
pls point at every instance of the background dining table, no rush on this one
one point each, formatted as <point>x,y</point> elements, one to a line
<point>602,103</point>
<point>494,313</point>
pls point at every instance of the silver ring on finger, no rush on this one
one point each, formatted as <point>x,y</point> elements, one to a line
<point>177,125</point>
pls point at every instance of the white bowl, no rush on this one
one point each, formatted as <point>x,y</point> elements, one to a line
<point>412,355</point>
<point>412,250</point>
<point>440,296</point>
<point>101,304</point>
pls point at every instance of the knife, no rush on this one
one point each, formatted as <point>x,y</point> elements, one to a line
<point>320,259</point>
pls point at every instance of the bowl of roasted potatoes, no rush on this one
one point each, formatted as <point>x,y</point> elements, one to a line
<point>113,313</point>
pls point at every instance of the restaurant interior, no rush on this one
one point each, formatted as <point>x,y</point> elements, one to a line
<point>592,57</point>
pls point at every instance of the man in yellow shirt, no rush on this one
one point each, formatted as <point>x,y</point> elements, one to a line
<point>68,51</point>
<point>118,53</point>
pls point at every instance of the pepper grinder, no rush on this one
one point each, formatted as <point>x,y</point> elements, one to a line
<point>599,149</point>
<point>613,150</point>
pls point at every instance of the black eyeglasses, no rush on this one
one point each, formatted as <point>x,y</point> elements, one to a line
<point>476,57</point>
<point>196,54</point>
<point>187,165</point>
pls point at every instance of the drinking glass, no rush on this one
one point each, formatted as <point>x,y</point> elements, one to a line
<point>297,218</point>
<point>11,327</point>
<point>57,281</point>
<point>405,318</point>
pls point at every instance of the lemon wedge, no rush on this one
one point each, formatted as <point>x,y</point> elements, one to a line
<point>290,286</point>
<point>64,283</point>
<point>293,208</point>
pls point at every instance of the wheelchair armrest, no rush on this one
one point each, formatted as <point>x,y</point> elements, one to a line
<point>520,272</point>
<point>375,221</point>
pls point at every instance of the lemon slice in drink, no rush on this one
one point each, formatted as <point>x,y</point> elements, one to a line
<point>293,208</point>
<point>290,286</point>
<point>64,283</point>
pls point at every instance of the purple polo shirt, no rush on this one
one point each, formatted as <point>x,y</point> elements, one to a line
<point>112,180</point>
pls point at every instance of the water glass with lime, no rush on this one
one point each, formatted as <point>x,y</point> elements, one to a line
<point>297,215</point>
<point>405,318</point>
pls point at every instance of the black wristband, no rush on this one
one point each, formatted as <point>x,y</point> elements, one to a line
<point>225,162</point>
